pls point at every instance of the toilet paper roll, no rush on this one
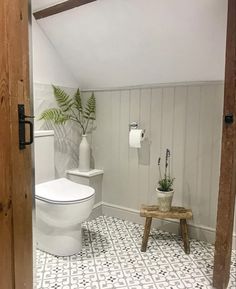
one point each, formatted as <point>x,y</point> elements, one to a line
<point>135,138</point>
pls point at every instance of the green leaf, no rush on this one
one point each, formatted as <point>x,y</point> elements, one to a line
<point>71,109</point>
<point>78,101</point>
<point>63,99</point>
<point>166,184</point>
<point>55,115</point>
<point>90,109</point>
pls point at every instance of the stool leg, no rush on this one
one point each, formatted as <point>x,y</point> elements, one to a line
<point>184,232</point>
<point>147,229</point>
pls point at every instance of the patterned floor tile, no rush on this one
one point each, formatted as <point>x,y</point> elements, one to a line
<point>176,284</point>
<point>88,281</point>
<point>111,258</point>
<point>112,279</point>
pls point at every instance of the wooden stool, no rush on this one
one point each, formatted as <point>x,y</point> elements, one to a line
<point>179,213</point>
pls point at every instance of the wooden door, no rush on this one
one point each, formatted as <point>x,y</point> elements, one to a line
<point>15,164</point>
<point>226,201</point>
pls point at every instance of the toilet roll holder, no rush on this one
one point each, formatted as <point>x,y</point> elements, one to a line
<point>134,125</point>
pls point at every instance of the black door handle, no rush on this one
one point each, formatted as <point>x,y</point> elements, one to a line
<point>31,132</point>
<point>22,124</point>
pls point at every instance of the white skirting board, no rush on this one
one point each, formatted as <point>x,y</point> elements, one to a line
<point>97,211</point>
<point>196,232</point>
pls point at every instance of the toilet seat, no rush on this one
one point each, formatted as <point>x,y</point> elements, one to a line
<point>63,191</point>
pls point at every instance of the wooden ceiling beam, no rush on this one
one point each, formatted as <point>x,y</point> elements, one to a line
<point>61,7</point>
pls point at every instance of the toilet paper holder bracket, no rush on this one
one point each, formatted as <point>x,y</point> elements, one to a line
<point>134,125</point>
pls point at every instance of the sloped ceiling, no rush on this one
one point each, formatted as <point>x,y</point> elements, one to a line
<point>41,4</point>
<point>111,43</point>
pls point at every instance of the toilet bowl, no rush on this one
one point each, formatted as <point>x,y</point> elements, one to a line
<point>61,205</point>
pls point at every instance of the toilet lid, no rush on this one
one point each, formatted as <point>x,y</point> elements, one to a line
<point>63,191</point>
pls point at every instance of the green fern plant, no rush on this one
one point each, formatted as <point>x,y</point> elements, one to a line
<point>71,109</point>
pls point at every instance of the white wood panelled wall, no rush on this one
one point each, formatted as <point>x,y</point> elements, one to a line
<point>187,119</point>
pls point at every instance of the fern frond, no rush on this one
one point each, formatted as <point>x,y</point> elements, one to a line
<point>90,109</point>
<point>55,115</point>
<point>78,101</point>
<point>63,99</point>
<point>71,108</point>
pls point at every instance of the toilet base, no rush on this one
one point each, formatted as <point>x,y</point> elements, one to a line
<point>59,241</point>
<point>58,226</point>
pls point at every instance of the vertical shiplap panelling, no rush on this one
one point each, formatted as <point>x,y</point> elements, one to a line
<point>115,147</point>
<point>178,141</point>
<point>205,154</point>
<point>124,146</point>
<point>133,184</point>
<point>186,119</point>
<point>190,170</point>
<point>183,118</point>
<point>101,139</point>
<point>167,121</point>
<point>217,104</point>
<point>144,151</point>
<point>155,139</point>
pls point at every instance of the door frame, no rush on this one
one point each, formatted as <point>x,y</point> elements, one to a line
<point>16,189</point>
<point>227,186</point>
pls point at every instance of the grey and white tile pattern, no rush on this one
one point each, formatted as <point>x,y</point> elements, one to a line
<point>111,258</point>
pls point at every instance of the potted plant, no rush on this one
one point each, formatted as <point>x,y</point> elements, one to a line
<point>71,109</point>
<point>164,189</point>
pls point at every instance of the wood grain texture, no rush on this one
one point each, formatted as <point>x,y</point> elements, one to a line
<point>185,237</point>
<point>227,191</point>
<point>61,7</point>
<point>6,228</point>
<point>16,214</point>
<point>174,213</point>
<point>146,233</point>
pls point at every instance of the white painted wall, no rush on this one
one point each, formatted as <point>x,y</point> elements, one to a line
<point>67,138</point>
<point>48,67</point>
<point>112,43</point>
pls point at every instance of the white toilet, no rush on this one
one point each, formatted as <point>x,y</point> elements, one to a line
<point>61,205</point>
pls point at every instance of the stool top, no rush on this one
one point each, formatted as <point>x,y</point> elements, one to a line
<point>174,213</point>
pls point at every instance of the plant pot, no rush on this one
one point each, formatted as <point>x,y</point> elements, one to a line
<point>84,155</point>
<point>164,200</point>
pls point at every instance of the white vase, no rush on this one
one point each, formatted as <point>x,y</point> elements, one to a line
<point>164,200</point>
<point>84,154</point>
